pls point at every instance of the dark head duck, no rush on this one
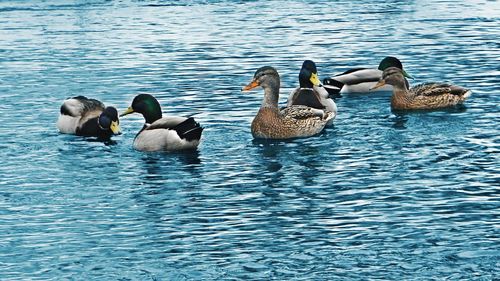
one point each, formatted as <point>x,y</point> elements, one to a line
<point>308,76</point>
<point>147,105</point>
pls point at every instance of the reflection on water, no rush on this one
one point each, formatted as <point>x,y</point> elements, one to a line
<point>399,121</point>
<point>378,195</point>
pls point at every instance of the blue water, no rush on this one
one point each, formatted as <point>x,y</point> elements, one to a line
<point>378,196</point>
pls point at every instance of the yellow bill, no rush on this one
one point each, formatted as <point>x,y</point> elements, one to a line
<point>115,127</point>
<point>128,111</point>
<point>314,79</point>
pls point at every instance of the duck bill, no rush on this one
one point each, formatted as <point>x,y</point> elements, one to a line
<point>127,112</point>
<point>378,85</point>
<point>115,127</point>
<point>314,79</point>
<point>250,86</point>
<point>405,74</point>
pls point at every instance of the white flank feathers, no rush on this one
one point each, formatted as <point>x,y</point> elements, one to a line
<point>67,124</point>
<point>359,76</point>
<point>162,140</point>
<point>364,88</point>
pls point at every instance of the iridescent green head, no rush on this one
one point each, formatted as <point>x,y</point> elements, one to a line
<point>147,105</point>
<point>392,62</point>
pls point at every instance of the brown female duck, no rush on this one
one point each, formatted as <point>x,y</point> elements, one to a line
<point>290,122</point>
<point>424,96</point>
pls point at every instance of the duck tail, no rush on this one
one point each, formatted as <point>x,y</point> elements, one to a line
<point>332,86</point>
<point>189,129</point>
<point>467,94</point>
<point>330,116</point>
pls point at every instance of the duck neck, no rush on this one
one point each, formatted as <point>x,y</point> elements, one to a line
<point>271,94</point>
<point>152,116</point>
<point>400,95</point>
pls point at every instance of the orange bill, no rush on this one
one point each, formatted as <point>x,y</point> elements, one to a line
<point>250,86</point>
<point>378,85</point>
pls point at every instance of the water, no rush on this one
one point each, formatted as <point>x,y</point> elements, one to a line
<point>378,196</point>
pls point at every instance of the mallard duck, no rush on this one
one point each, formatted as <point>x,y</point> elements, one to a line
<point>163,134</point>
<point>310,91</point>
<point>88,117</point>
<point>290,122</point>
<point>424,96</point>
<point>361,80</point>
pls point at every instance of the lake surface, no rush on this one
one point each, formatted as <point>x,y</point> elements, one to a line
<point>412,196</point>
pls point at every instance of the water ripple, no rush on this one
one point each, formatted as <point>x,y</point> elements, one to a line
<point>379,195</point>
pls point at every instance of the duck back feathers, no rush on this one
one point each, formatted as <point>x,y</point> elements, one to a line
<point>291,122</point>
<point>80,105</point>
<point>436,89</point>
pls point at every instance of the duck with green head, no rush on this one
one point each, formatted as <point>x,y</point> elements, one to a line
<point>423,96</point>
<point>86,117</point>
<point>163,133</point>
<point>361,80</point>
<point>310,91</point>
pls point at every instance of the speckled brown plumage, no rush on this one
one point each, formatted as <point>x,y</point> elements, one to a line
<point>289,122</point>
<point>424,96</point>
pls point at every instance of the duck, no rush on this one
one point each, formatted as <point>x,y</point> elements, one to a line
<point>361,80</point>
<point>294,121</point>
<point>310,91</point>
<point>159,133</point>
<point>86,117</point>
<point>423,96</point>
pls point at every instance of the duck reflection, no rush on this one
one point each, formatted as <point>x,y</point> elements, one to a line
<point>399,121</point>
<point>158,165</point>
<point>285,164</point>
<point>270,151</point>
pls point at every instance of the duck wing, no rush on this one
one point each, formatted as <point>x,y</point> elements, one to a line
<point>80,106</point>
<point>166,123</point>
<point>437,95</point>
<point>358,75</point>
<point>301,112</point>
<point>186,128</point>
<point>437,89</point>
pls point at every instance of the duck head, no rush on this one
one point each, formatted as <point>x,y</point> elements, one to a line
<point>147,105</point>
<point>392,76</point>
<point>108,120</point>
<point>308,76</point>
<point>393,62</point>
<point>266,77</point>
